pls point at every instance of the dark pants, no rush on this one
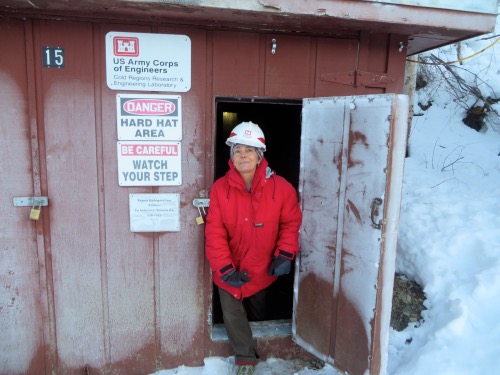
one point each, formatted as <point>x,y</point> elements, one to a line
<point>236,314</point>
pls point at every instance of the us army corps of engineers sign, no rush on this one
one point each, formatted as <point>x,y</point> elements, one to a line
<point>148,62</point>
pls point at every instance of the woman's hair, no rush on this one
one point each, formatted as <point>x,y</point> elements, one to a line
<point>259,152</point>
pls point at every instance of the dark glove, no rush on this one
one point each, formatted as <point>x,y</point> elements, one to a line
<point>280,266</point>
<point>236,279</point>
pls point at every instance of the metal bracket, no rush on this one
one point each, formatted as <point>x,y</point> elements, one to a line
<point>376,203</point>
<point>30,201</point>
<point>201,202</point>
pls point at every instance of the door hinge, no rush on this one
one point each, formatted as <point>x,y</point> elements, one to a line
<point>359,78</point>
<point>342,78</point>
<point>369,79</point>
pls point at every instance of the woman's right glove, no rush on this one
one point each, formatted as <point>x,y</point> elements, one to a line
<point>236,279</point>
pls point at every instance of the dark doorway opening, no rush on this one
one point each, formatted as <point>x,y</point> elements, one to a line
<point>280,120</point>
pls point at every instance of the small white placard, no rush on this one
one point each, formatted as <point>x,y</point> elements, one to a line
<point>142,117</point>
<point>154,212</point>
<point>148,62</point>
<point>149,163</point>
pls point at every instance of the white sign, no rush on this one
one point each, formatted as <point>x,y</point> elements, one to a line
<point>154,212</point>
<point>149,163</point>
<point>148,62</point>
<point>148,117</point>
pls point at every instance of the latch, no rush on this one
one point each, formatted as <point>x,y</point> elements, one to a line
<point>200,204</point>
<point>30,201</point>
<point>35,203</point>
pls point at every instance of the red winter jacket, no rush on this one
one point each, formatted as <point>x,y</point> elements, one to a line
<point>244,230</point>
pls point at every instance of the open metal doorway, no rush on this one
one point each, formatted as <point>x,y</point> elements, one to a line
<point>280,120</point>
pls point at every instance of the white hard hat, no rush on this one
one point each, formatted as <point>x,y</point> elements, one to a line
<point>247,133</point>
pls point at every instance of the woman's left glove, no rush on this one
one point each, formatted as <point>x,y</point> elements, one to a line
<point>236,279</point>
<point>281,265</point>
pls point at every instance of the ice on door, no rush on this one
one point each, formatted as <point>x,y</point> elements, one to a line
<point>352,152</point>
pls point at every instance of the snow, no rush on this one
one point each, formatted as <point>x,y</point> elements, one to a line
<point>479,6</point>
<point>449,241</point>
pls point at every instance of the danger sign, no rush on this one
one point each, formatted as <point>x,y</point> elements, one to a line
<point>149,163</point>
<point>149,117</point>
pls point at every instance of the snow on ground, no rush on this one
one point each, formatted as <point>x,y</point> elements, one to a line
<point>449,241</point>
<point>449,235</point>
<point>225,366</point>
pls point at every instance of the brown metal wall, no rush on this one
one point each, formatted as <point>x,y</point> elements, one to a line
<point>98,297</point>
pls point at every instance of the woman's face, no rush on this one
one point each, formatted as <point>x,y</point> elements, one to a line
<point>245,158</point>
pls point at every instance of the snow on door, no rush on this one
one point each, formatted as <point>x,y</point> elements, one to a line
<point>352,157</point>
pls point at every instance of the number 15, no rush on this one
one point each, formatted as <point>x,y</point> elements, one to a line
<point>53,57</point>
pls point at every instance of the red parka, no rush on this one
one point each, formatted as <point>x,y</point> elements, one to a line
<point>245,230</point>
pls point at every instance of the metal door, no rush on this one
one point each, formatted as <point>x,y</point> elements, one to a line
<point>352,157</point>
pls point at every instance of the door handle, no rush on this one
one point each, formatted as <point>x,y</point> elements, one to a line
<point>376,203</point>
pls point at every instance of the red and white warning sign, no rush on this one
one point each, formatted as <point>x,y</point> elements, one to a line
<point>149,117</point>
<point>149,163</point>
<point>148,62</point>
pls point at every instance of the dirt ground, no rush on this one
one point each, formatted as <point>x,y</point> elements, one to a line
<point>407,303</point>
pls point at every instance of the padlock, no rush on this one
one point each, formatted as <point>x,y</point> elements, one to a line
<point>199,219</point>
<point>35,213</point>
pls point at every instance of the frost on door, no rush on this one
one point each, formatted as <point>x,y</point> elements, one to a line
<point>352,157</point>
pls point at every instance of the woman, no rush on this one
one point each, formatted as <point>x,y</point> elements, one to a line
<point>252,231</point>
